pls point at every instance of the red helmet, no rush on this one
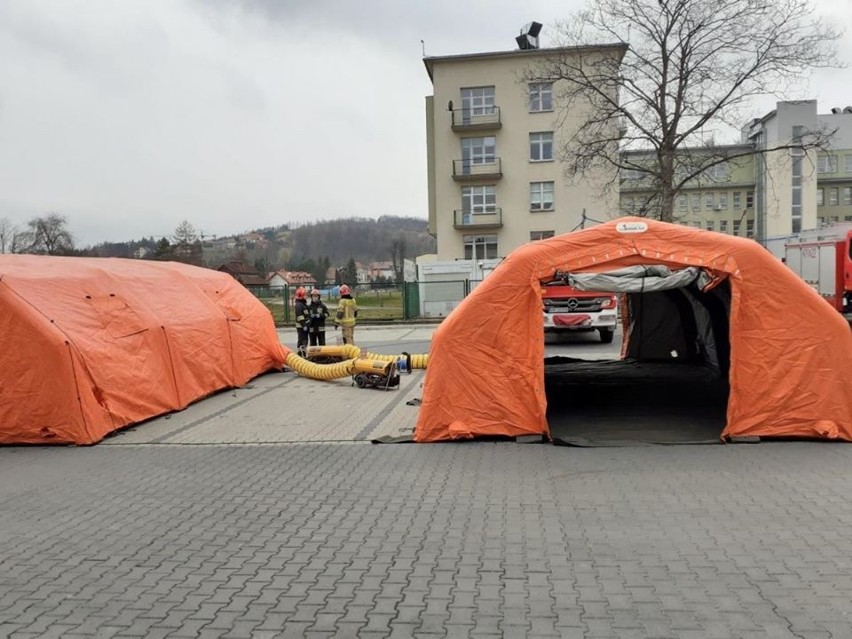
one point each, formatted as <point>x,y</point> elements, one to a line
<point>315,291</point>
<point>344,290</point>
<point>300,293</point>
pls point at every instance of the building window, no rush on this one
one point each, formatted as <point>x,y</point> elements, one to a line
<point>848,218</point>
<point>479,150</point>
<point>820,197</point>
<point>847,195</point>
<point>749,228</point>
<point>711,226</point>
<point>723,201</point>
<point>737,201</point>
<point>796,193</point>
<point>477,101</point>
<point>696,201</point>
<point>541,146</point>
<point>737,224</point>
<point>832,196</point>
<point>541,196</point>
<point>718,172</point>
<point>709,201</point>
<point>696,224</point>
<point>682,203</point>
<point>541,96</point>
<point>723,226</point>
<point>479,200</point>
<point>826,164</point>
<point>631,174</point>
<point>480,247</point>
<point>833,219</point>
<point>540,235</point>
<point>749,199</point>
<point>847,163</point>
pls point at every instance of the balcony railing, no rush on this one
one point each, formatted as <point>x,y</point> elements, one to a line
<point>479,169</point>
<point>493,219</point>
<point>479,119</point>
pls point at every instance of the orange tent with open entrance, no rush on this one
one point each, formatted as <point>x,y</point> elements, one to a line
<point>785,354</point>
<point>90,345</point>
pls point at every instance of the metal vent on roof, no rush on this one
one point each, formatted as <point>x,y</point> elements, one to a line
<point>529,36</point>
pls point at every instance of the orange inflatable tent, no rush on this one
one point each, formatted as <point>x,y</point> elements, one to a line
<point>788,353</point>
<point>88,345</point>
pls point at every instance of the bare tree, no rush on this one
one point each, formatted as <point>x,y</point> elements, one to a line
<point>187,247</point>
<point>398,248</point>
<point>46,235</point>
<point>8,236</point>
<point>690,64</point>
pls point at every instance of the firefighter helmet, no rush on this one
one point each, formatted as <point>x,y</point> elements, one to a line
<point>344,290</point>
<point>300,293</point>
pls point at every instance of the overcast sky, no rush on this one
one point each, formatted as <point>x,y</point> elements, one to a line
<point>130,116</point>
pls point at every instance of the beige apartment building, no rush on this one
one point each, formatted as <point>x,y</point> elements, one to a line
<point>494,178</point>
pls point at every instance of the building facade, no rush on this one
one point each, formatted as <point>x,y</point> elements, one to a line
<point>769,195</point>
<point>494,178</point>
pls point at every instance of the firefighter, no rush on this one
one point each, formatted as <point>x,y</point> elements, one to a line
<point>347,313</point>
<point>317,312</point>
<point>303,320</point>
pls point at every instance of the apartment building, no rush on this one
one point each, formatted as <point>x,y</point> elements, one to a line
<point>494,177</point>
<point>768,195</point>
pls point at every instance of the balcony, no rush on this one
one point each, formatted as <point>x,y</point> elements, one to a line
<point>493,219</point>
<point>477,169</point>
<point>479,119</point>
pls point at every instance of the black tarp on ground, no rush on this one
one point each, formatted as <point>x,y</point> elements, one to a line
<point>628,403</point>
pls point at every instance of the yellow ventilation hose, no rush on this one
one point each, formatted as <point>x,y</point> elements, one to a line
<point>346,368</point>
<point>350,351</point>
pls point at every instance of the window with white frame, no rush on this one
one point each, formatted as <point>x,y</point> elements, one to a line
<point>833,196</point>
<point>709,201</point>
<point>541,97</point>
<point>749,228</point>
<point>540,235</point>
<point>736,202</point>
<point>541,196</point>
<point>737,225</point>
<point>723,201</point>
<point>696,224</point>
<point>711,225</point>
<point>480,247</point>
<point>820,197</point>
<point>696,201</point>
<point>631,174</point>
<point>541,146</point>
<point>749,199</point>
<point>479,150</point>
<point>682,203</point>
<point>479,200</point>
<point>826,164</point>
<point>477,101</point>
<point>847,163</point>
<point>718,172</point>
<point>723,226</point>
<point>847,195</point>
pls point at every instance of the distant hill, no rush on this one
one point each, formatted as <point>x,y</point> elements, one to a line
<point>288,246</point>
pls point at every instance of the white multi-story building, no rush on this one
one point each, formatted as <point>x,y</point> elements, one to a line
<point>495,180</point>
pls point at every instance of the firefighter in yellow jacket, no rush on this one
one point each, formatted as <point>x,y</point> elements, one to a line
<point>347,313</point>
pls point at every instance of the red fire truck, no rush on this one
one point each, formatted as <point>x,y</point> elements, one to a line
<point>567,309</point>
<point>823,258</point>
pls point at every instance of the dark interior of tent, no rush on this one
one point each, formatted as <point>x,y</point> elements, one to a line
<point>672,385</point>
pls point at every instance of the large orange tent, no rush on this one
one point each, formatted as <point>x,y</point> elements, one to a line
<point>88,346</point>
<point>788,353</point>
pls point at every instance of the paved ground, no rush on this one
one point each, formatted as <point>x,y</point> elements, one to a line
<point>263,513</point>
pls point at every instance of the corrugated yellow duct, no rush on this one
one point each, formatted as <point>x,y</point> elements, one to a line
<point>346,368</point>
<point>350,351</point>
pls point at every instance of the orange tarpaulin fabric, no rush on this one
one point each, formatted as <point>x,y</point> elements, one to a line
<point>88,346</point>
<point>791,353</point>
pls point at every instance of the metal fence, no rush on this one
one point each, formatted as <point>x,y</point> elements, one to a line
<point>377,302</point>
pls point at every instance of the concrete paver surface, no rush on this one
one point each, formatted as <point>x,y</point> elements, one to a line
<point>243,517</point>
